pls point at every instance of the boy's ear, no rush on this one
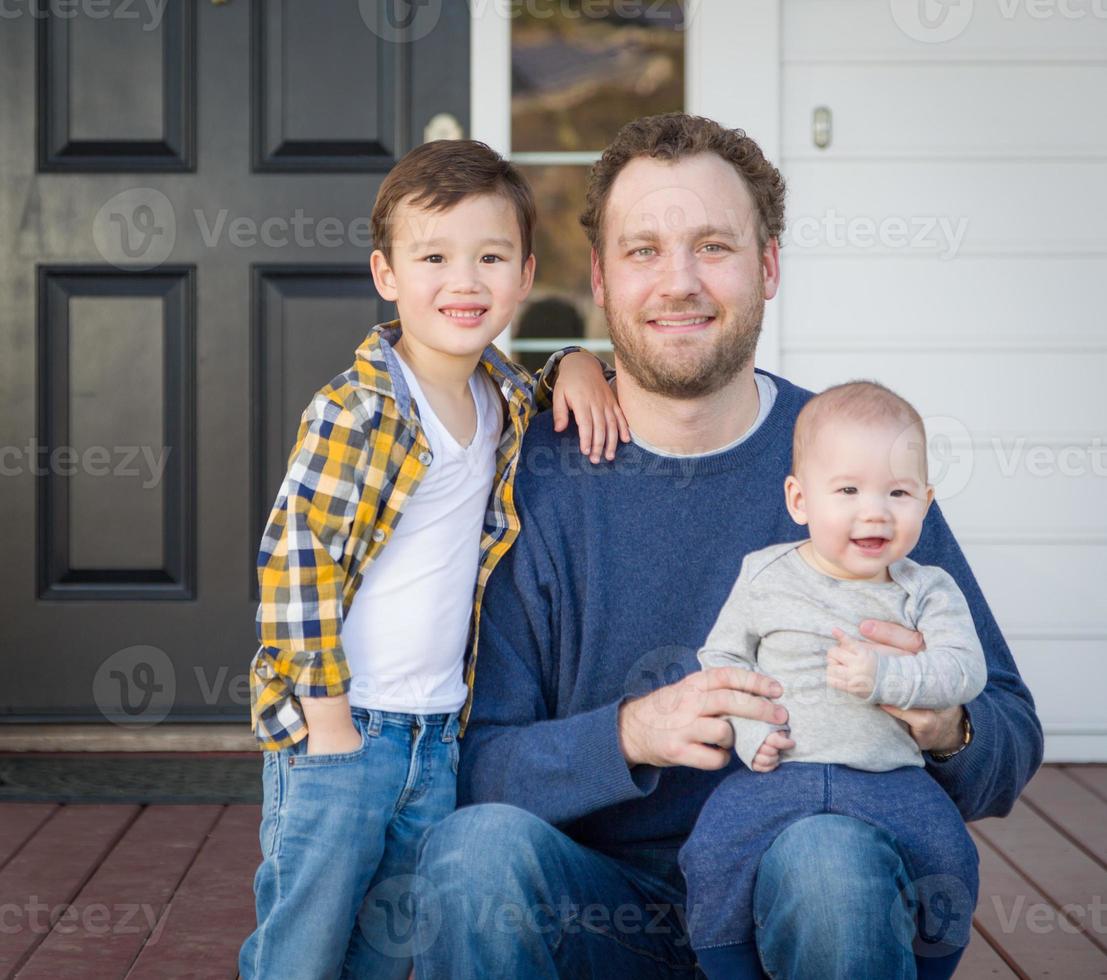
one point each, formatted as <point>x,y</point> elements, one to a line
<point>527,281</point>
<point>597,279</point>
<point>383,276</point>
<point>929,498</point>
<point>793,498</point>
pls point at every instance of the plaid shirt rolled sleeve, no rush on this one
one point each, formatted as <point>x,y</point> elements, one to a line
<point>304,562</point>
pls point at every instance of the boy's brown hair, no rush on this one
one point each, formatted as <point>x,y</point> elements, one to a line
<point>671,137</point>
<point>867,402</point>
<point>437,175</point>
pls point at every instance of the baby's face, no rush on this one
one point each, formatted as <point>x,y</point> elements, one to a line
<point>863,491</point>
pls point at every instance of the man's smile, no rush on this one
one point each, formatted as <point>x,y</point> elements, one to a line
<point>681,322</point>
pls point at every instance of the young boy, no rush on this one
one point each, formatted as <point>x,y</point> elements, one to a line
<point>367,622</point>
<point>859,481</point>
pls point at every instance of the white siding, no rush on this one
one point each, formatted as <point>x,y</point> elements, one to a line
<point>989,150</point>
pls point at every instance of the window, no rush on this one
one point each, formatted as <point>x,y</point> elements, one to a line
<point>580,69</point>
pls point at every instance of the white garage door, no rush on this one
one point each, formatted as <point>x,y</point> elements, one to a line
<point>950,239</point>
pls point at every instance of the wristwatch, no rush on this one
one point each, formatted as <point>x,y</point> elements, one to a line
<point>966,729</point>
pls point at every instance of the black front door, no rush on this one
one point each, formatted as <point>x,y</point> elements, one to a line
<point>185,189</point>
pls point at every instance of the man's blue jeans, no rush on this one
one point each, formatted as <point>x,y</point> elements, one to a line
<point>502,893</point>
<point>338,840</point>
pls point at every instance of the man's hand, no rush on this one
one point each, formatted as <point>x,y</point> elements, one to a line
<point>932,730</point>
<point>684,724</point>
<point>768,755</point>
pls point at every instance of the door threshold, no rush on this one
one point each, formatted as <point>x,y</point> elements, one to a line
<point>112,738</point>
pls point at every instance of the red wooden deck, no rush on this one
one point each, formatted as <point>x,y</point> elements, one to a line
<point>165,891</point>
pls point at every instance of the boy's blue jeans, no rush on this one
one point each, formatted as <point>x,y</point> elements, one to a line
<point>338,840</point>
<point>935,873</point>
<point>525,900</point>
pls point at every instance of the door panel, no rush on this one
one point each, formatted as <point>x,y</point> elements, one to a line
<point>184,245</point>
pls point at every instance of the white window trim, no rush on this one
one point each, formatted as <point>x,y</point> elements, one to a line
<point>732,74</point>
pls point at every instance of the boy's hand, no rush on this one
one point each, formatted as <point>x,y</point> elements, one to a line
<point>582,389</point>
<point>851,666</point>
<point>768,756</point>
<point>934,730</point>
<point>347,739</point>
<point>331,729</point>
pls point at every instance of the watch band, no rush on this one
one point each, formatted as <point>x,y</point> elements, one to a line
<point>966,729</point>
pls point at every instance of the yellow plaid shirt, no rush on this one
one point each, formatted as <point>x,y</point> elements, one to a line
<point>360,454</point>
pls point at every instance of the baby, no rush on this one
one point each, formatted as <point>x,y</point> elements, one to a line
<point>859,482</point>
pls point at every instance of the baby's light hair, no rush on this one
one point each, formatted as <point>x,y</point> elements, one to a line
<point>861,401</point>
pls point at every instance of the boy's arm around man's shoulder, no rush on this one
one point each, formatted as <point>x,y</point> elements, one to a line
<point>985,778</point>
<point>543,383</point>
<point>303,564</point>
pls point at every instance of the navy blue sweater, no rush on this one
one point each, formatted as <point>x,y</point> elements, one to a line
<point>612,586</point>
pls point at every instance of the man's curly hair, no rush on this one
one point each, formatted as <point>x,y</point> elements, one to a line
<point>673,136</point>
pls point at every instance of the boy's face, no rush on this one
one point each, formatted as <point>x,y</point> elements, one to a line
<point>456,276</point>
<point>862,490</point>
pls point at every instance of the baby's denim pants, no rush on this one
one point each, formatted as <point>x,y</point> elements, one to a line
<point>932,909</point>
<point>338,840</point>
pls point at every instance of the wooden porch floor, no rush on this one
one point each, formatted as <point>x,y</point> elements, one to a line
<point>164,891</point>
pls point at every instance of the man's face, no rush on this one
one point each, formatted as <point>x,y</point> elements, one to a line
<point>457,276</point>
<point>682,278</point>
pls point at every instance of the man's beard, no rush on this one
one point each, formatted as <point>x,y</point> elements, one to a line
<point>692,369</point>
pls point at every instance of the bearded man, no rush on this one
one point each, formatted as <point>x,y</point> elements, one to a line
<point>594,739</point>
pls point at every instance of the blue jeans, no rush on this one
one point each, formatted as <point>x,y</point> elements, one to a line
<point>928,854</point>
<point>338,840</point>
<point>502,893</point>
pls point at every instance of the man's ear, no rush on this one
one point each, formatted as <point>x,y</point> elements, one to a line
<point>793,498</point>
<point>383,276</point>
<point>597,279</point>
<point>770,268</point>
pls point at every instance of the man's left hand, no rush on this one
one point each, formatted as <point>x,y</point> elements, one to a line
<point>933,730</point>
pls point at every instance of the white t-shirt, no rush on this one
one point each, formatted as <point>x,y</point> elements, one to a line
<point>406,629</point>
<point>766,396</point>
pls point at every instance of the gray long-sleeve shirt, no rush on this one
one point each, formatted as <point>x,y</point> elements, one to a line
<point>778,621</point>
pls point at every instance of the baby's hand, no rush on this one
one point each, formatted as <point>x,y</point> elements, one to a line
<point>851,666</point>
<point>768,756</point>
<point>582,389</point>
